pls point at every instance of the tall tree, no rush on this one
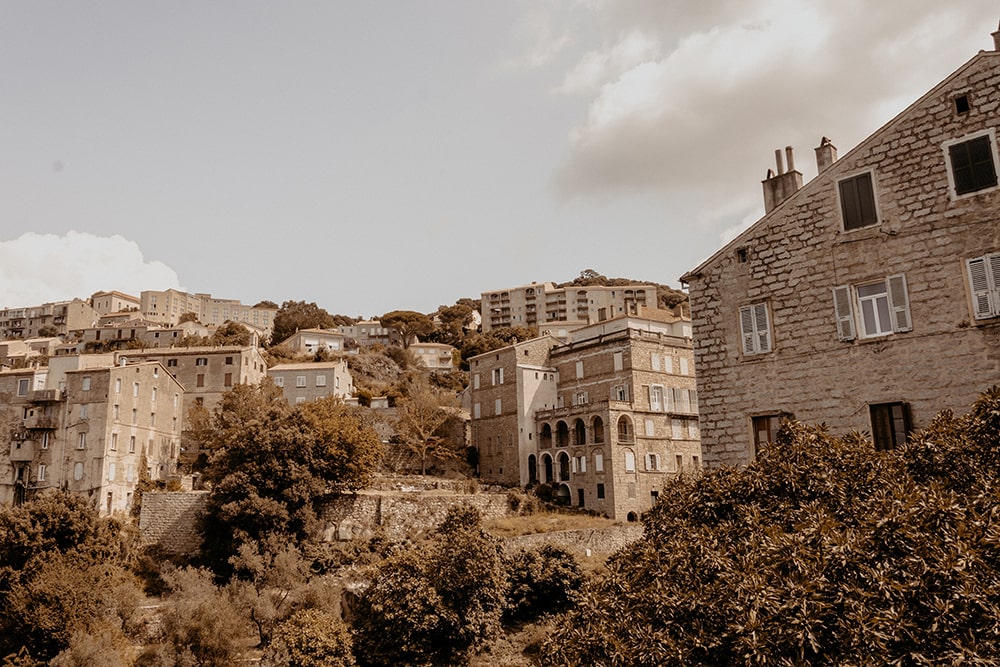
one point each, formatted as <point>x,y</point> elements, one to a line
<point>421,414</point>
<point>409,324</point>
<point>231,333</point>
<point>295,315</point>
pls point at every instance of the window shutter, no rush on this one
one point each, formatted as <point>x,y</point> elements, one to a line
<point>763,327</point>
<point>655,361</point>
<point>984,281</point>
<point>899,304</point>
<point>993,265</point>
<point>845,314</point>
<point>668,363</point>
<point>746,329</point>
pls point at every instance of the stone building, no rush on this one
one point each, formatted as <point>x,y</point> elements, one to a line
<point>605,418</point>
<point>56,318</point>
<point>565,308</point>
<point>88,426</point>
<point>311,341</point>
<point>869,298</point>
<point>167,306</point>
<point>307,382</point>
<point>439,357</point>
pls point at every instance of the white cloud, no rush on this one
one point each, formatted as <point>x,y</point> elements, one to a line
<point>40,268</point>
<point>597,67</point>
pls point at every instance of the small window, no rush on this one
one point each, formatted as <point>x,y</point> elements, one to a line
<point>857,201</point>
<point>320,380</point>
<point>114,442</point>
<point>649,427</point>
<point>972,167</point>
<point>755,329</point>
<point>629,461</point>
<point>498,406</point>
<point>229,361</point>
<point>741,255</point>
<point>279,381</point>
<point>41,472</point>
<point>81,441</point>
<point>599,461</point>
<point>476,411</point>
<point>652,462</point>
<point>619,362</point>
<point>45,440</point>
<point>300,399</point>
<point>118,385</point>
<point>984,282</point>
<point>962,105</point>
<point>201,361</point>
<point>497,376</point>
<point>135,388</point>
<point>600,490</point>
<point>882,308</point>
<point>890,424</point>
<point>23,386</point>
<point>152,397</point>
<point>135,416</point>
<point>171,363</point>
<point>300,380</point>
<point>78,471</point>
<point>579,369</point>
<point>131,444</point>
<point>85,383</point>
<point>475,381</point>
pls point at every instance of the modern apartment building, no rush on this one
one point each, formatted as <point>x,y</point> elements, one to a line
<point>538,304</point>
<point>867,299</point>
<point>167,306</point>
<point>59,318</point>
<point>89,426</point>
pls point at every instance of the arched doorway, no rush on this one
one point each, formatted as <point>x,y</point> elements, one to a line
<point>563,467</point>
<point>580,432</point>
<point>563,496</point>
<point>562,434</point>
<point>547,466</point>
<point>532,469</point>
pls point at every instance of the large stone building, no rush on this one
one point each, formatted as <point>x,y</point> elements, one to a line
<point>567,308</point>
<point>605,418</point>
<point>167,306</point>
<point>56,318</point>
<point>309,381</point>
<point>869,298</point>
<point>88,426</point>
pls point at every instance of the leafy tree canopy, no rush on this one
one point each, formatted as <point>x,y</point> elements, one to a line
<point>295,315</point>
<point>408,323</point>
<point>231,333</point>
<point>666,296</point>
<point>821,552</point>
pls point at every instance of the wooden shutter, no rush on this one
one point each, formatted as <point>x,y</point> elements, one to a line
<point>979,283</point>
<point>755,329</point>
<point>845,312</point>
<point>746,329</point>
<point>763,326</point>
<point>899,303</point>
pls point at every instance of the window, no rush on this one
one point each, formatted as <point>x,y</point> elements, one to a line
<point>972,167</point>
<point>320,380</point>
<point>115,411</point>
<point>649,428</point>
<point>654,361</point>
<point>476,411</point>
<point>582,463</point>
<point>227,380</point>
<point>652,462</point>
<point>131,444</point>
<point>684,361</point>
<point>45,440</point>
<point>579,369</point>
<point>135,389</point>
<point>114,442</point>
<point>857,202</point>
<point>78,471</point>
<point>497,376</point>
<point>890,424</point>
<point>475,381</point>
<point>629,460</point>
<point>625,432</point>
<point>118,385</point>
<point>84,411</point>
<point>201,361</point>
<point>200,380</point>
<point>300,380</point>
<point>580,398</point>
<point>498,406</point>
<point>618,361</point>
<point>765,429</point>
<point>81,442</point>
<point>600,490</point>
<point>300,399</point>
<point>882,308</point>
<point>599,461</point>
<point>85,383</point>
<point>41,472</point>
<point>962,105</point>
<point>229,361</point>
<point>152,419</point>
<point>677,428</point>
<point>153,395</point>
<point>135,416</point>
<point>656,398</point>
<point>755,329</point>
<point>984,282</point>
<point>620,392</point>
<point>23,386</point>
<point>171,363</point>
<point>279,381</point>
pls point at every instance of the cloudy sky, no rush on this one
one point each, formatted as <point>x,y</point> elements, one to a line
<point>376,155</point>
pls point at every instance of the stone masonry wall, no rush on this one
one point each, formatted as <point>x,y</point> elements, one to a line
<point>169,520</point>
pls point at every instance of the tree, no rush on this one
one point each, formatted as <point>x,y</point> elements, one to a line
<point>48,331</point>
<point>274,464</point>
<point>312,638</point>
<point>295,315</point>
<point>187,317</point>
<point>421,414</point>
<point>231,333</point>
<point>433,604</point>
<point>542,581</point>
<point>409,324</point>
<point>480,343</point>
<point>821,552</point>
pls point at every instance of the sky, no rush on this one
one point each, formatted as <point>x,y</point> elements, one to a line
<point>373,156</point>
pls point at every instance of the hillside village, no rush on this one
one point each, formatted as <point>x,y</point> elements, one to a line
<point>867,299</point>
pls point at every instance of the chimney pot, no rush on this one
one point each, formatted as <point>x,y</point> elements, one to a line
<point>789,158</point>
<point>778,161</point>
<point>826,154</point>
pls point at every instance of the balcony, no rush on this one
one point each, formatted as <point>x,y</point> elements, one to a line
<point>46,396</point>
<point>22,450</point>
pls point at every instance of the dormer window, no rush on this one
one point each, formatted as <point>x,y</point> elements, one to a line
<point>857,202</point>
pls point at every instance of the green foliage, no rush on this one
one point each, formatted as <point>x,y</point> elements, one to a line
<point>494,339</point>
<point>542,581</point>
<point>822,552</point>
<point>422,413</point>
<point>409,324</point>
<point>230,333</point>
<point>187,317</point>
<point>106,648</point>
<point>274,464</point>
<point>62,571</point>
<point>312,638</point>
<point>433,604</point>
<point>295,315</point>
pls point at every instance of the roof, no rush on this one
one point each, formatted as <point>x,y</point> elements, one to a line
<point>317,365</point>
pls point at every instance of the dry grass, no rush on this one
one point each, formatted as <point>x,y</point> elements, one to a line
<point>545,522</point>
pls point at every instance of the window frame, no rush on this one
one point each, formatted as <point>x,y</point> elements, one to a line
<point>849,315</point>
<point>886,420</point>
<point>990,135</point>
<point>857,217</point>
<point>756,329</point>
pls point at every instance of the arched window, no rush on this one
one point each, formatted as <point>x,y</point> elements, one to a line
<point>629,460</point>
<point>625,431</point>
<point>547,466</point>
<point>580,431</point>
<point>562,434</point>
<point>564,467</point>
<point>598,430</point>
<point>545,437</point>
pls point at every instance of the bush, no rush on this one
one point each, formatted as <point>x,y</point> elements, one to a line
<point>542,581</point>
<point>311,638</point>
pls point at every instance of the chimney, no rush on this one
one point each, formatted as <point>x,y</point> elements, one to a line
<point>826,154</point>
<point>779,187</point>
<point>996,40</point>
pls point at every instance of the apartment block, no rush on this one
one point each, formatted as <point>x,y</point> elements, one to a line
<point>369,332</point>
<point>540,304</point>
<point>89,427</point>
<point>167,306</point>
<point>438,357</point>
<point>867,299</point>
<point>57,318</point>
<point>307,382</point>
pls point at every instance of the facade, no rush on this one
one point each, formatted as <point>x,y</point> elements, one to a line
<point>206,373</point>
<point>370,332</point>
<point>61,317</point>
<point>307,382</point>
<point>438,357</point>
<point>106,303</point>
<point>167,306</point>
<point>538,304</point>
<point>869,298</point>
<point>311,341</point>
<point>606,418</point>
<point>89,427</point>
<point>20,352</point>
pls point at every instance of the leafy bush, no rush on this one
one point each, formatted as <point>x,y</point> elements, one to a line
<point>542,581</point>
<point>311,638</point>
<point>822,552</point>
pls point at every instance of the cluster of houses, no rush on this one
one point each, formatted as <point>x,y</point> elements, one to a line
<point>867,299</point>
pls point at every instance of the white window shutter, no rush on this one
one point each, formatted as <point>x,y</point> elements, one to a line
<point>980,285</point>
<point>762,325</point>
<point>668,363</point>
<point>746,329</point>
<point>899,304</point>
<point>845,312</point>
<point>655,361</point>
<point>993,264</point>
